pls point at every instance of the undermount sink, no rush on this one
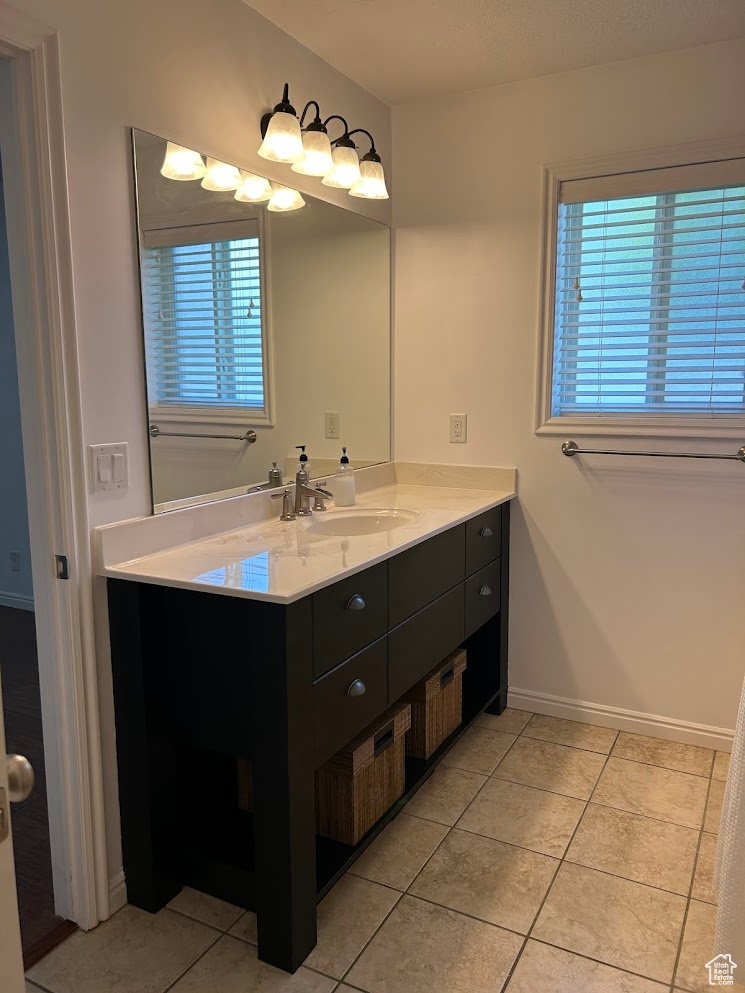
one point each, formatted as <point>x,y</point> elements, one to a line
<point>356,522</point>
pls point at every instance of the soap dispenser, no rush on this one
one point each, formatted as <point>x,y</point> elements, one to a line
<point>344,486</point>
<point>275,476</point>
<point>303,467</point>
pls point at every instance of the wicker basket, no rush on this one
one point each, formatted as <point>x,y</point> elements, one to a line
<point>356,787</point>
<point>436,706</point>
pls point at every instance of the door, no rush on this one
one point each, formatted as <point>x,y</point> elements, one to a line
<point>11,957</point>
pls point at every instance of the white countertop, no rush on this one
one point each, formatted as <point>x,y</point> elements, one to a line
<point>281,561</point>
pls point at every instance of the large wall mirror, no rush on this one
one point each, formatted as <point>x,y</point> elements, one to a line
<point>263,328</point>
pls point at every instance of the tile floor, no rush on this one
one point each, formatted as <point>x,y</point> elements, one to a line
<point>543,856</point>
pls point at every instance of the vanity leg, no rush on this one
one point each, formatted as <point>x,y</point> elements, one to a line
<point>283,785</point>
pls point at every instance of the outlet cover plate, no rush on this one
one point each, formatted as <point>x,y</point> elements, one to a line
<point>333,429</point>
<point>458,429</point>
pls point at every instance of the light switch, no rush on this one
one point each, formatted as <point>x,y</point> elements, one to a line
<point>109,467</point>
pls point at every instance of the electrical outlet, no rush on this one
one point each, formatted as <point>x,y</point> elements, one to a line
<point>333,429</point>
<point>15,561</point>
<point>458,429</point>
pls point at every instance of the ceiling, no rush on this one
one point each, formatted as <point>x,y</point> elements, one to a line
<point>400,50</point>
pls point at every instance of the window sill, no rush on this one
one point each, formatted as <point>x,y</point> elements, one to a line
<point>660,426</point>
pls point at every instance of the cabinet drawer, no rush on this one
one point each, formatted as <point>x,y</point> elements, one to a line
<point>417,645</point>
<point>342,707</point>
<point>483,539</point>
<point>421,574</point>
<point>349,615</point>
<point>482,596</point>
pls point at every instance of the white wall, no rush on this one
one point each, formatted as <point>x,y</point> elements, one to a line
<point>16,589</point>
<point>628,576</point>
<point>201,73</point>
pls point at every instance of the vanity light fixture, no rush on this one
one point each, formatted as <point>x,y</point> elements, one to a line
<point>346,168</point>
<point>371,184</point>
<point>284,199</point>
<point>182,163</point>
<point>221,177</point>
<point>280,130</point>
<point>316,160</point>
<point>253,189</point>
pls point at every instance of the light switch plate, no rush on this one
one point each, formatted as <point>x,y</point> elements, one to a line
<point>109,467</point>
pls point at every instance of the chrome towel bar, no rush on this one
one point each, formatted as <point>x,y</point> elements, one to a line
<point>570,448</point>
<point>249,437</point>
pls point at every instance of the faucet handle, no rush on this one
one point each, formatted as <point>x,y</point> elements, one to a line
<point>287,514</point>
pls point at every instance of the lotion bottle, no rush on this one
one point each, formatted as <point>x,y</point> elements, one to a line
<point>344,486</point>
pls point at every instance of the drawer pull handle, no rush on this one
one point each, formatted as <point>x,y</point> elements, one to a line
<point>357,688</point>
<point>356,602</point>
<point>485,591</point>
<point>383,739</point>
<point>486,532</point>
<point>447,675</point>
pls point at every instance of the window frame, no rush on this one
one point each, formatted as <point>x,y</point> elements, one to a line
<point>204,420</point>
<point>657,425</point>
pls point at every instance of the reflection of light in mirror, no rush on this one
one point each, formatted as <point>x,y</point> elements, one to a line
<point>283,198</point>
<point>182,163</point>
<point>282,141</point>
<point>346,168</point>
<point>317,160</point>
<point>220,176</point>
<point>249,574</point>
<point>253,189</point>
<point>371,184</point>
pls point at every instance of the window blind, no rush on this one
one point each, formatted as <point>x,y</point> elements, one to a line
<point>203,314</point>
<point>650,293</point>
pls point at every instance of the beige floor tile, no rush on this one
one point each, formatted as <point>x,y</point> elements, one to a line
<point>445,795</point>
<point>648,851</point>
<point>619,922</point>
<point>498,883</point>
<point>400,851</point>
<point>245,928</point>
<point>479,750</point>
<point>544,969</point>
<point>646,789</point>
<point>232,966</point>
<point>556,768</point>
<point>703,880</point>
<point>667,754</point>
<point>698,949</point>
<point>543,822</point>
<point>714,807</point>
<point>721,766</point>
<point>205,908</point>
<point>348,917</point>
<point>561,732</point>
<point>423,948</point>
<point>133,952</point>
<point>510,721</point>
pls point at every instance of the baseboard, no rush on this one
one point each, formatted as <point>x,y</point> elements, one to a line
<point>622,720</point>
<point>117,892</point>
<point>19,600</point>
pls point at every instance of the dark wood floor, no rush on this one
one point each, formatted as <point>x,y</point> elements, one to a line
<point>23,733</point>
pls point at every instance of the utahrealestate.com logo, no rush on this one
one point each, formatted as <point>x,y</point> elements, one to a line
<point>721,971</point>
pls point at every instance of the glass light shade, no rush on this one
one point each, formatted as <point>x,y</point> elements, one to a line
<point>317,160</point>
<point>182,163</point>
<point>283,141</point>
<point>346,168</point>
<point>371,184</point>
<point>283,198</point>
<point>220,176</point>
<point>253,189</point>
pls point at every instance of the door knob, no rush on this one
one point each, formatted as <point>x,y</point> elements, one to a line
<point>20,778</point>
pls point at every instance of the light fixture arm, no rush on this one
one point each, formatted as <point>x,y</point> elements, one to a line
<point>317,119</point>
<point>283,107</point>
<point>372,155</point>
<point>343,139</point>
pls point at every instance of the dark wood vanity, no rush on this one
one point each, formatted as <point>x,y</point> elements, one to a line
<point>203,679</point>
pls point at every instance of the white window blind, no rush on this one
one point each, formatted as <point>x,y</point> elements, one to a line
<point>202,298</point>
<point>650,293</point>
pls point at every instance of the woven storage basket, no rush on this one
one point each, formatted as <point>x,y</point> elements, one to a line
<point>436,706</point>
<point>356,787</point>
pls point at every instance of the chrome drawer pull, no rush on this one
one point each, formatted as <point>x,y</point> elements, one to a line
<point>485,591</point>
<point>356,603</point>
<point>357,688</point>
<point>486,533</point>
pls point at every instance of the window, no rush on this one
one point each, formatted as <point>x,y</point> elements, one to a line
<point>648,318</point>
<point>203,313</point>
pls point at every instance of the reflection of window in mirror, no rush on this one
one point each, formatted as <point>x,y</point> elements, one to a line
<point>203,307</point>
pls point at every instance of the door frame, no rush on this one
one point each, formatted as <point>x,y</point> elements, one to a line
<point>52,429</point>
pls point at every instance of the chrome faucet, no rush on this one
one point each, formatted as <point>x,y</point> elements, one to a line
<point>303,493</point>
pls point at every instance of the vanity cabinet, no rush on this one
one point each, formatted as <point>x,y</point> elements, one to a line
<point>202,680</point>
